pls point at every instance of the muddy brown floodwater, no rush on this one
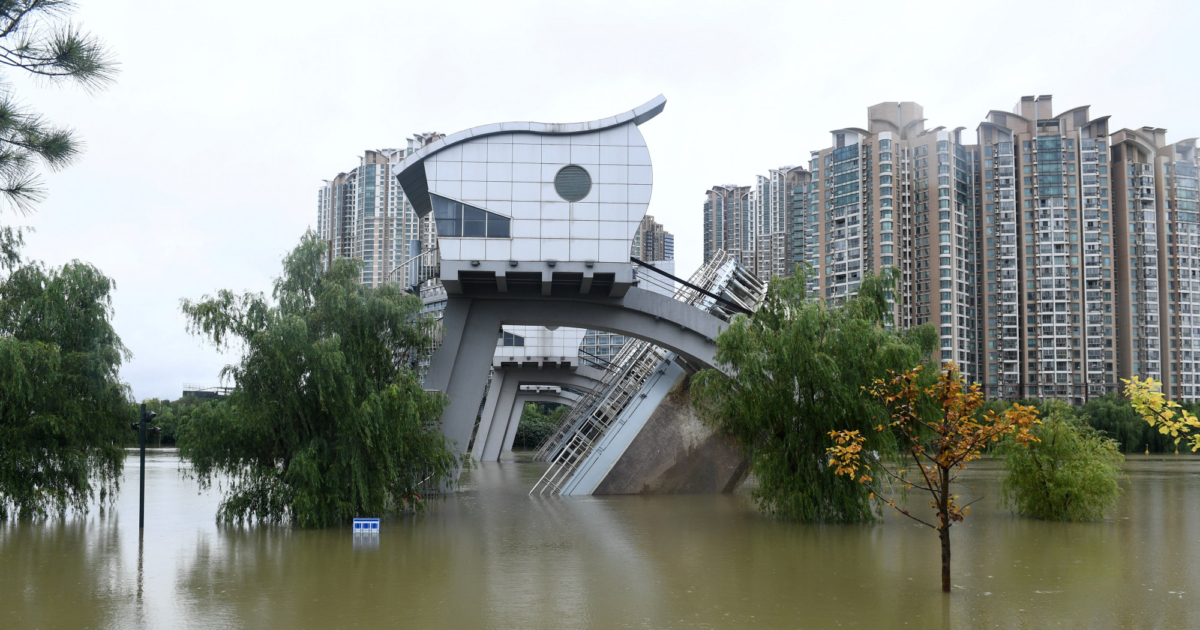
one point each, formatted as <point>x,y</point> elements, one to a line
<point>493,557</point>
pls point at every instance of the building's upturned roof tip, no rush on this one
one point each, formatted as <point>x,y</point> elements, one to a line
<point>1001,111</point>
<point>637,115</point>
<point>647,110</point>
<point>1072,111</point>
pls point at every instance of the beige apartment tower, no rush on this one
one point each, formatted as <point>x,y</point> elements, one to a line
<point>1048,254</point>
<point>727,220</point>
<point>1157,249</point>
<point>898,195</point>
<point>652,241</point>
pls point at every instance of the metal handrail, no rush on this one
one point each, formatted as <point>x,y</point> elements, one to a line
<point>432,254</point>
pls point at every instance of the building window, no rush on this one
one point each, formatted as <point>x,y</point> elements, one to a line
<point>457,219</point>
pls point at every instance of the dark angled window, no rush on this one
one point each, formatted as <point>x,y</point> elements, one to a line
<point>457,219</point>
<point>474,222</point>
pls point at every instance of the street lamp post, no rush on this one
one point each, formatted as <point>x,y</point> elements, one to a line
<point>140,427</point>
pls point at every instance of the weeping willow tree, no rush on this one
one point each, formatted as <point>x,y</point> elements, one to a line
<point>326,420</point>
<point>64,413</point>
<point>801,368</point>
<point>1071,473</point>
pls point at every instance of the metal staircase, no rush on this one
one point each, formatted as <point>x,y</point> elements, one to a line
<point>721,287</point>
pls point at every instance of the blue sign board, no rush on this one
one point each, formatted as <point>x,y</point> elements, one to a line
<point>366,526</point>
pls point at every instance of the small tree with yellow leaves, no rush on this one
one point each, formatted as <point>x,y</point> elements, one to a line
<point>937,429</point>
<point>1167,416</point>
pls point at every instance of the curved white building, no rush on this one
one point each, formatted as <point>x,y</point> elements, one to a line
<point>535,207</point>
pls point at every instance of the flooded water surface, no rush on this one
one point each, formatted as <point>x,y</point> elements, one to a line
<point>493,557</point>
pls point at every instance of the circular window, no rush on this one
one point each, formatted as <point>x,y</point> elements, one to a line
<point>573,183</point>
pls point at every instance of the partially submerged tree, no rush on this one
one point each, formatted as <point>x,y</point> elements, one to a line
<point>37,37</point>
<point>64,414</point>
<point>63,411</point>
<point>1069,473</point>
<point>326,420</point>
<point>801,369</point>
<point>938,432</point>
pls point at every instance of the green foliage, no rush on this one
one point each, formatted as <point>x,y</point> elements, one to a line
<point>1116,418</point>
<point>801,369</point>
<point>174,415</point>
<point>37,37</point>
<point>64,414</point>
<point>537,422</point>
<point>1070,474</point>
<point>1112,415</point>
<point>326,420</point>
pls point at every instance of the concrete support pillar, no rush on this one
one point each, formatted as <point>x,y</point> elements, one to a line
<point>459,367</point>
<point>488,415</point>
<point>495,437</point>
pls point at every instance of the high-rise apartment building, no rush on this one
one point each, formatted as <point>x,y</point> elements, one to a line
<point>899,195</point>
<point>1049,326</point>
<point>1156,234</point>
<point>726,223</point>
<point>764,226</point>
<point>650,242</point>
<point>363,214</point>
<point>772,202</point>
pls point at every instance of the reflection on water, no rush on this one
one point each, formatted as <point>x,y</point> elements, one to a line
<point>493,557</point>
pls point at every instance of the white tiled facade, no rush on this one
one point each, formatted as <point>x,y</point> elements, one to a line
<point>512,175</point>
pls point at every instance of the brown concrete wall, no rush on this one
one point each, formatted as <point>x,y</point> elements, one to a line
<point>676,453</point>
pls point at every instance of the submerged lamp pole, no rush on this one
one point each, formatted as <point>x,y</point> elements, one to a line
<point>141,428</point>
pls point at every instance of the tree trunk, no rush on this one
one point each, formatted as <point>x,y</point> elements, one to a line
<point>944,533</point>
<point>944,526</point>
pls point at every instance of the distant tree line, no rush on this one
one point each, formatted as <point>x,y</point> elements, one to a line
<point>538,421</point>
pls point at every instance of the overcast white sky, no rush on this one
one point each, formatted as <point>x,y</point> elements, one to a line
<point>203,160</point>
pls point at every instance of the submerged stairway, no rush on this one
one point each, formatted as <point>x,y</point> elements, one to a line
<point>605,421</point>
